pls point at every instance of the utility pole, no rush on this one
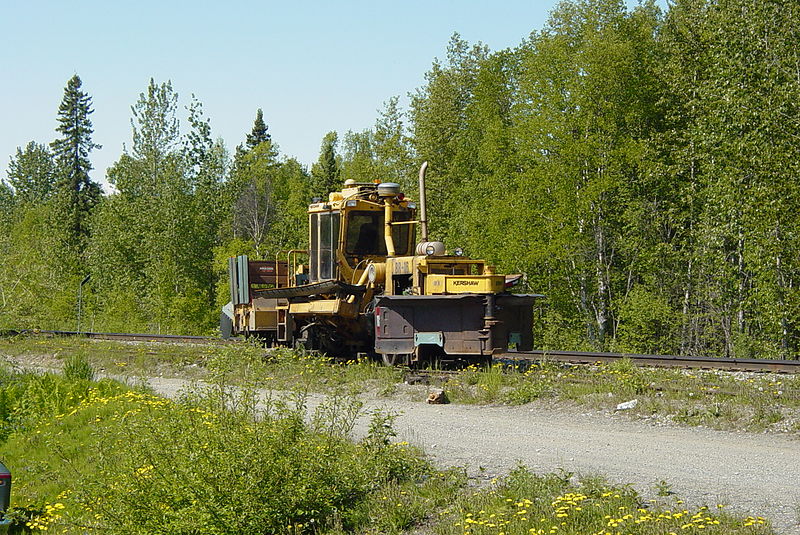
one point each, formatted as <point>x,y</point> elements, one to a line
<point>80,299</point>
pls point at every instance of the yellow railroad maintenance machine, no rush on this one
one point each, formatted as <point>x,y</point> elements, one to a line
<point>367,288</point>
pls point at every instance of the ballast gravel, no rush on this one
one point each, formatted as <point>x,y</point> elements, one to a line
<point>756,474</point>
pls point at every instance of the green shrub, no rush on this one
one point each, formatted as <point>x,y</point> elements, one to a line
<point>216,462</point>
<point>77,366</point>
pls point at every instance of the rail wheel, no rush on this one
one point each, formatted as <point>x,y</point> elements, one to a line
<point>396,359</point>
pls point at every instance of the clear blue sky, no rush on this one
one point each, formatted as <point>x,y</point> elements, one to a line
<point>311,66</point>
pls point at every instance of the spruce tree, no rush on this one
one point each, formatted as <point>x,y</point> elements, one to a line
<point>325,172</point>
<point>259,133</point>
<point>71,153</point>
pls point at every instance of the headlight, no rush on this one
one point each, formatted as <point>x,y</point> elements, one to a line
<point>412,206</point>
<point>429,250</point>
<point>351,202</point>
<point>458,251</point>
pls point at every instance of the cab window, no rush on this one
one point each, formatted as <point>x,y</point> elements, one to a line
<point>365,233</point>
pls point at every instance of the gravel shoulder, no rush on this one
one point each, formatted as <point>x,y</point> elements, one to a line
<point>755,473</point>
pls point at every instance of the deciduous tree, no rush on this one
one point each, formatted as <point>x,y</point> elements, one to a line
<point>32,174</point>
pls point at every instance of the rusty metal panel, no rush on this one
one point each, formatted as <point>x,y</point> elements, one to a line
<point>268,272</point>
<point>403,346</point>
<point>396,322</point>
<point>457,322</point>
<point>470,324</point>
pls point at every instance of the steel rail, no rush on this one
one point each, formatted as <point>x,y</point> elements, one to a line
<point>571,357</point>
<point>130,337</point>
<point>658,361</point>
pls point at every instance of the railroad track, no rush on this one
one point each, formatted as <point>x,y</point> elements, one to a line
<point>132,337</point>
<point>658,361</point>
<point>569,357</point>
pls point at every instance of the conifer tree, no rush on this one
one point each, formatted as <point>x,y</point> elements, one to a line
<point>259,133</point>
<point>325,172</point>
<point>71,153</point>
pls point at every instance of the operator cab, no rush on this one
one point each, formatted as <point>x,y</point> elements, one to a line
<point>364,234</point>
<point>348,231</point>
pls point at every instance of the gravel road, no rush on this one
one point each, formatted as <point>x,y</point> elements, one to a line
<point>755,474</point>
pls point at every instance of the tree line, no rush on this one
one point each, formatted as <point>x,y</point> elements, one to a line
<point>638,166</point>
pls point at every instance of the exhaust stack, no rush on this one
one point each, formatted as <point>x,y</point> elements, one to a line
<point>423,215</point>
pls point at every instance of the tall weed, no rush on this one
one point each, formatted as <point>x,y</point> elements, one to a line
<point>217,461</point>
<point>77,367</point>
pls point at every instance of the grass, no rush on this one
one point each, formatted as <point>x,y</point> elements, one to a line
<point>116,460</point>
<point>528,504</point>
<point>78,367</point>
<point>281,369</point>
<point>101,457</point>
<point>719,400</point>
<point>110,357</point>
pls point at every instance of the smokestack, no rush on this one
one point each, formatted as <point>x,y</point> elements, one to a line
<point>423,214</point>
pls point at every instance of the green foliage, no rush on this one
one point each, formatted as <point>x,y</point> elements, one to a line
<point>46,209</point>
<point>155,128</point>
<point>393,149</point>
<point>152,251</point>
<point>525,503</point>
<point>77,367</point>
<point>359,162</point>
<point>269,200</point>
<point>214,462</point>
<point>647,323</point>
<point>639,198</point>
<point>438,113</point>
<point>559,332</point>
<point>78,192</point>
<point>101,456</point>
<point>32,174</point>
<point>382,153</point>
<point>634,165</point>
<point>255,206</point>
<point>326,172</point>
<point>40,271</point>
<point>259,133</point>
<point>525,393</point>
<point>28,400</point>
